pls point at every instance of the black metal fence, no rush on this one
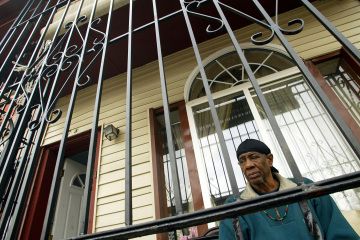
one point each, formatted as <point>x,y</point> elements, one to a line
<point>38,67</point>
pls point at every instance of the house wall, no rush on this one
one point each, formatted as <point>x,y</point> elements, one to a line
<point>102,8</point>
<point>313,41</point>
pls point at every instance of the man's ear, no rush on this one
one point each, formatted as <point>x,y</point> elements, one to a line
<point>269,158</point>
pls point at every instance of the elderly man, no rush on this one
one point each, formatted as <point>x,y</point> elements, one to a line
<point>284,222</point>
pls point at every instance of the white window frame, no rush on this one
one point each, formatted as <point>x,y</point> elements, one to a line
<point>200,161</point>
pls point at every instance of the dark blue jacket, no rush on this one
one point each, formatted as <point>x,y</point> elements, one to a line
<point>258,226</point>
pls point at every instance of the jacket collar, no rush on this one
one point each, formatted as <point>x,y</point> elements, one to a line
<point>285,183</point>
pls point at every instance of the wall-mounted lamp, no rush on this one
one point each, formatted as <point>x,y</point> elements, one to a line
<point>111,132</point>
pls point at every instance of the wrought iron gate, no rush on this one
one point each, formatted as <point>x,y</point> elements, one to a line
<point>44,59</point>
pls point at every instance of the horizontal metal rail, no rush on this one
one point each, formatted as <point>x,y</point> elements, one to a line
<point>115,39</point>
<point>296,194</point>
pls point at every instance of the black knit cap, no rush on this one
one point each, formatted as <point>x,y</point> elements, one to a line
<point>254,145</point>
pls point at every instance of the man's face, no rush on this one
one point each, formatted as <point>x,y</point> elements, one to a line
<point>256,167</point>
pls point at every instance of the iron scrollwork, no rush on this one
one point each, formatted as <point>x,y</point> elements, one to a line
<point>191,6</point>
<point>72,58</point>
<point>98,42</point>
<point>295,22</point>
<point>96,47</point>
<point>48,67</point>
<point>295,25</point>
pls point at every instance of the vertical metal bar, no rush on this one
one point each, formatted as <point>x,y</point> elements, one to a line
<point>310,221</point>
<point>292,164</point>
<point>167,163</point>
<point>94,130</point>
<point>128,134</point>
<point>17,178</point>
<point>349,136</point>
<point>182,160</point>
<point>277,11</point>
<point>11,54</point>
<point>214,115</point>
<point>10,153</point>
<point>279,100</point>
<point>6,145</point>
<point>224,170</point>
<point>5,40</point>
<point>170,142</point>
<point>2,127</point>
<point>282,142</point>
<point>332,29</point>
<point>54,191</point>
<point>20,39</point>
<point>206,170</point>
<point>5,157</point>
<point>27,180</point>
<point>21,199</point>
<point>5,217</point>
<point>10,160</point>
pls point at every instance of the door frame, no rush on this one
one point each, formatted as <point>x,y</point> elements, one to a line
<point>34,213</point>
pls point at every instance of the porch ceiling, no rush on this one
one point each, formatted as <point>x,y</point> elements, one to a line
<point>173,31</point>
<point>9,10</point>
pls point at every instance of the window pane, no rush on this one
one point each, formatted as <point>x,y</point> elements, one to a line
<point>315,142</point>
<point>180,157</point>
<point>238,124</point>
<point>344,82</point>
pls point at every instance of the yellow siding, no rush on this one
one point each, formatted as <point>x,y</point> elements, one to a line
<point>146,94</point>
<point>102,8</point>
<point>353,218</point>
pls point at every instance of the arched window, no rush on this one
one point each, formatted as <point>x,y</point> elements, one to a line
<point>227,71</point>
<point>319,149</point>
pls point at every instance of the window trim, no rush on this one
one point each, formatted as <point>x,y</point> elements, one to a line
<point>221,52</point>
<point>279,76</point>
<point>334,99</point>
<point>160,203</point>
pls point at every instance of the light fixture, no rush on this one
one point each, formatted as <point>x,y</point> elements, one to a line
<point>111,132</point>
